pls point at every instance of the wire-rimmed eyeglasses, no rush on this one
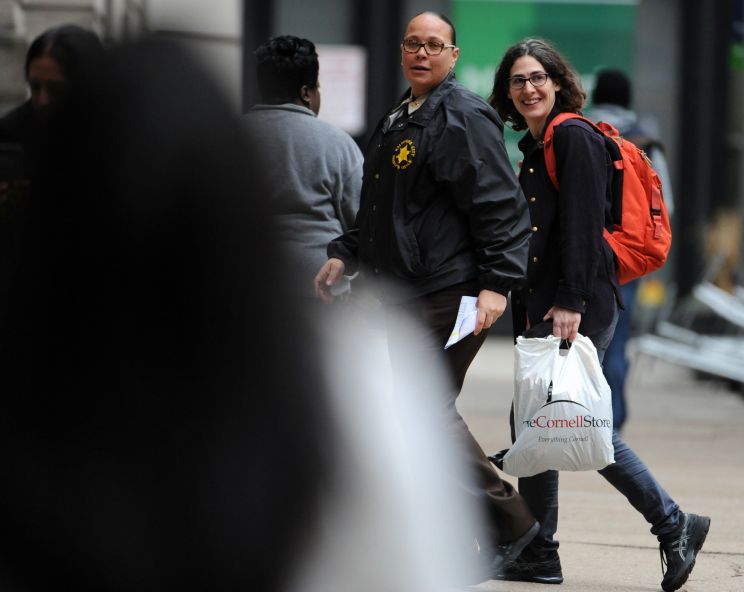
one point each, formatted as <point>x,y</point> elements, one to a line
<point>430,47</point>
<point>536,79</point>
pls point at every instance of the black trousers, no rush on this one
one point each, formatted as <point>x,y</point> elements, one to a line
<point>508,515</point>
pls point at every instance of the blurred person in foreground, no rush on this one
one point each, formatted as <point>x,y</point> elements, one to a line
<point>611,102</point>
<point>315,169</point>
<point>572,287</point>
<point>158,428</point>
<point>151,406</point>
<point>55,61</point>
<point>442,216</point>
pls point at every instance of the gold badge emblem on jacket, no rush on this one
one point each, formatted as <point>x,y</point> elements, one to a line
<point>403,154</point>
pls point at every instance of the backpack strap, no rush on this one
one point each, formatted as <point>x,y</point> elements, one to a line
<point>549,149</point>
<point>656,210</point>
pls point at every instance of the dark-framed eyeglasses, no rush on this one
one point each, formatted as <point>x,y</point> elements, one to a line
<point>430,47</point>
<point>536,79</point>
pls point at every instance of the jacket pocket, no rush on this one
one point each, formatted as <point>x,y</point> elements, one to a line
<point>410,253</point>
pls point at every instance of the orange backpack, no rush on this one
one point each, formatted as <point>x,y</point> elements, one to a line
<point>641,235</point>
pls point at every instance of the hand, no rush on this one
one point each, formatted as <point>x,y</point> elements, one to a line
<point>491,306</point>
<point>328,275</point>
<point>565,322</point>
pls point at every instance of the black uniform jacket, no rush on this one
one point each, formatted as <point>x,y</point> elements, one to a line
<point>570,264</point>
<point>440,202</point>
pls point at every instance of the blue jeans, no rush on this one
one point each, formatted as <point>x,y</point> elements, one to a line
<point>627,474</point>
<point>615,363</point>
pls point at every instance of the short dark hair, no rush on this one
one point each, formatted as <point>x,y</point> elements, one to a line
<point>571,96</point>
<point>73,48</point>
<point>284,65</point>
<point>443,17</point>
<point>612,87</point>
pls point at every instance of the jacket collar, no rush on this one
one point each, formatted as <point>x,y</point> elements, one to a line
<point>283,107</point>
<point>527,140</point>
<point>427,110</point>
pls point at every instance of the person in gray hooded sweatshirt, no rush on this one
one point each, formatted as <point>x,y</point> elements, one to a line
<point>314,170</point>
<point>611,100</point>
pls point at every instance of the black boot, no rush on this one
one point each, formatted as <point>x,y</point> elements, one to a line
<point>532,567</point>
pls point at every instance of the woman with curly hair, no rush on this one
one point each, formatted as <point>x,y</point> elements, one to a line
<point>572,287</point>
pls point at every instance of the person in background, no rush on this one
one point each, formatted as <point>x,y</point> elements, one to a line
<point>611,102</point>
<point>572,287</point>
<point>316,169</point>
<point>56,60</point>
<point>442,217</point>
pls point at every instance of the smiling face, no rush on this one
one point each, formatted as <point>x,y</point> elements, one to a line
<point>424,71</point>
<point>533,103</point>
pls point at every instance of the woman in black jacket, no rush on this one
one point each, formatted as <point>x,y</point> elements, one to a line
<point>572,287</point>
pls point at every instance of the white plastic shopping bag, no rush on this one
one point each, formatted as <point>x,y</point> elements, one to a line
<point>562,408</point>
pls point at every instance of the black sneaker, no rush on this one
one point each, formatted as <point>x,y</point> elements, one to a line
<point>678,553</point>
<point>529,568</point>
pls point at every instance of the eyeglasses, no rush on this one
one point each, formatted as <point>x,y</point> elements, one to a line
<point>431,48</point>
<point>536,79</point>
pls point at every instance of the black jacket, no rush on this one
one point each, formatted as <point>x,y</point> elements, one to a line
<point>440,202</point>
<point>20,126</point>
<point>570,264</point>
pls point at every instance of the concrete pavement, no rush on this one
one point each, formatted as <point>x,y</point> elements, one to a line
<point>691,435</point>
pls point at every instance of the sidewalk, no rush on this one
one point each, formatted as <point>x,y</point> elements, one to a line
<point>690,434</point>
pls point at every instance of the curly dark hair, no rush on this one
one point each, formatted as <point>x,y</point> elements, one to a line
<point>283,66</point>
<point>570,97</point>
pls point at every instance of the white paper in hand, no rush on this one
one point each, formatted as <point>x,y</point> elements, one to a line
<point>465,322</point>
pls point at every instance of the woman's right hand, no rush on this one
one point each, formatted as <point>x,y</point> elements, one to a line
<point>565,322</point>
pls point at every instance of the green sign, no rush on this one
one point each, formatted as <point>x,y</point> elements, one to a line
<point>591,34</point>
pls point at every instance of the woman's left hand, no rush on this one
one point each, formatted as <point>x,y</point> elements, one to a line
<point>565,322</point>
